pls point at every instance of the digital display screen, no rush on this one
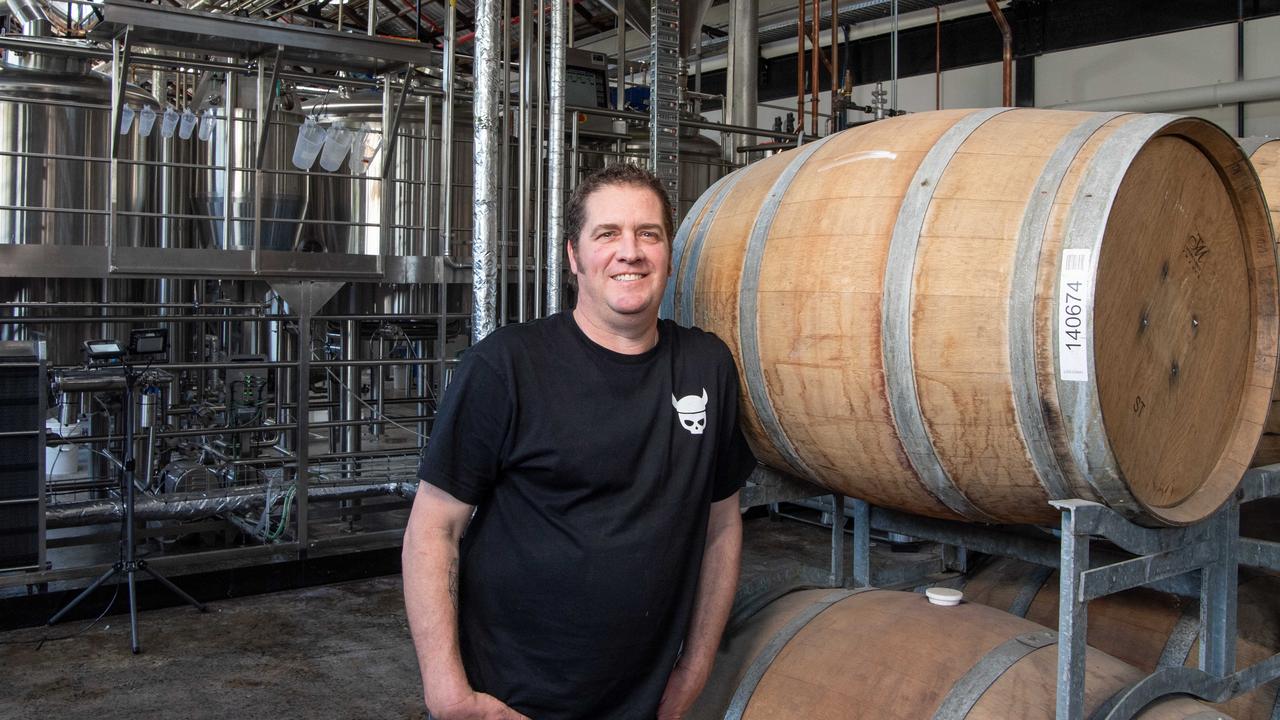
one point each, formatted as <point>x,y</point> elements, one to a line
<point>104,347</point>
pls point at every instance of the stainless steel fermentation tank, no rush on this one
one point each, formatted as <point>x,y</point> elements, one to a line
<point>701,163</point>
<point>230,157</point>
<point>349,207</point>
<point>55,150</point>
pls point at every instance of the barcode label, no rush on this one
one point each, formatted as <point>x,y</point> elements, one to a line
<point>1075,261</point>
<point>1074,296</point>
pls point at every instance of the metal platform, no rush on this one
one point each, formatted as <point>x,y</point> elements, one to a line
<point>56,261</point>
<point>233,36</point>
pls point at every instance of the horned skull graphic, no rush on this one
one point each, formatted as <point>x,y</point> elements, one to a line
<point>692,411</point>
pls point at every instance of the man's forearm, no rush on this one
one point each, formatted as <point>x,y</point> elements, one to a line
<point>430,561</point>
<point>717,583</point>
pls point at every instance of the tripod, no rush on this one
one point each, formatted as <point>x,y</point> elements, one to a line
<point>129,565</point>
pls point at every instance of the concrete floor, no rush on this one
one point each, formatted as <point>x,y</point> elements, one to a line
<point>336,651</point>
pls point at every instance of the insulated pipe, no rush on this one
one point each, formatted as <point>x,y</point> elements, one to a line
<point>1184,98</point>
<point>555,156</point>
<point>1006,36</point>
<point>484,207</point>
<point>743,66</point>
<point>152,507</point>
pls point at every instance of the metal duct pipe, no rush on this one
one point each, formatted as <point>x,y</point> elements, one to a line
<point>893,56</point>
<point>446,139</point>
<point>800,45</point>
<point>744,69</point>
<point>350,404</point>
<point>620,101</point>
<point>523,149</point>
<point>555,157</point>
<point>185,507</point>
<point>1006,36</point>
<point>484,207</point>
<point>1184,98</point>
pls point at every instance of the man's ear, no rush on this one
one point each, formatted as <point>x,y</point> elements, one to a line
<point>573,260</point>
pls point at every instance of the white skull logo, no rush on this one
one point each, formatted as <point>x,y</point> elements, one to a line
<point>692,411</point>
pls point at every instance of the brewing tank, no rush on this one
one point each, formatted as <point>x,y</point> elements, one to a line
<point>700,161</point>
<point>284,191</point>
<point>55,141</point>
<point>338,197</point>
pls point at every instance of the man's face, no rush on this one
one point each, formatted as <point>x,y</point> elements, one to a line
<point>623,256</point>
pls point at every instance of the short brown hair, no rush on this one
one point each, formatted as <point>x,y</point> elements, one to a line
<point>612,175</point>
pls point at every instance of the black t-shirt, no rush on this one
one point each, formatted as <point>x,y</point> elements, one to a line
<point>592,472</point>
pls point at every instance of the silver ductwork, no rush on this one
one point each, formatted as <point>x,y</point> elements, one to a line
<point>485,204</point>
<point>555,158</point>
<point>195,506</point>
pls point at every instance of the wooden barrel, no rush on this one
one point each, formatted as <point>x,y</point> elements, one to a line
<point>966,314</point>
<point>1144,627</point>
<point>894,656</point>
<point>1265,155</point>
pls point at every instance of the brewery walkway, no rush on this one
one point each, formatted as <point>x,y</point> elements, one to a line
<point>335,651</point>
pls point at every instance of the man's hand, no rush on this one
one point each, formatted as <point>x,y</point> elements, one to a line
<point>683,688</point>
<point>478,706</point>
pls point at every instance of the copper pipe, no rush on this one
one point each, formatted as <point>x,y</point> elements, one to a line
<point>801,31</point>
<point>815,33</point>
<point>937,59</point>
<point>1007,35</point>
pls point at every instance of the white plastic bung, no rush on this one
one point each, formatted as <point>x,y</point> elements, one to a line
<point>944,596</point>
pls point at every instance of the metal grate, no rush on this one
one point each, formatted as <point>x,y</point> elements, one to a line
<point>664,94</point>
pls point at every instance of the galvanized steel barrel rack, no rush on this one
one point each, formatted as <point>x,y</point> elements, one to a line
<point>1165,558</point>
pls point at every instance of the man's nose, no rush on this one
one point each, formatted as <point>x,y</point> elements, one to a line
<point>629,247</point>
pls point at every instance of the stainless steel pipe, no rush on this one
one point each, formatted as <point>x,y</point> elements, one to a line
<point>555,157</point>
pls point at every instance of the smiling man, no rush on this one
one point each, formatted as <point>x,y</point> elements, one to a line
<point>573,548</point>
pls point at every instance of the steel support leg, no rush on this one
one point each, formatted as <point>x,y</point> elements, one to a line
<point>1218,585</point>
<point>861,543</point>
<point>1072,620</point>
<point>837,540</point>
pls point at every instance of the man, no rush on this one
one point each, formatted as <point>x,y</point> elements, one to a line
<point>593,459</point>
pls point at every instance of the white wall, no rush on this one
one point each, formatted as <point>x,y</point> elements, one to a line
<point>1164,62</point>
